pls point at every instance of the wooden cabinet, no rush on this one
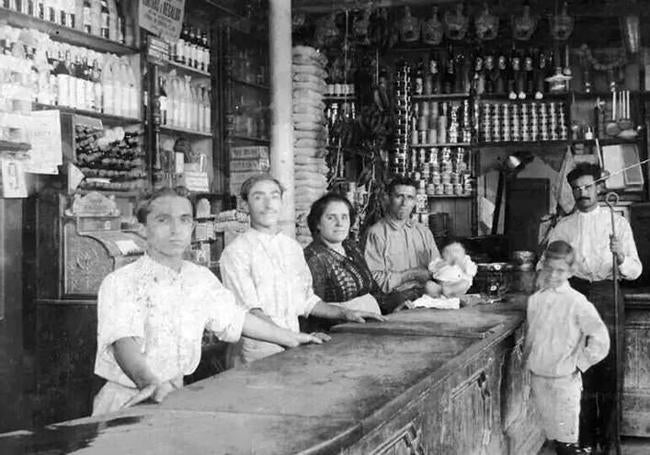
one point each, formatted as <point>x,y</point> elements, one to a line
<point>636,380</point>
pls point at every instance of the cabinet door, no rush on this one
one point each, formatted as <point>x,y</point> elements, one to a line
<point>636,381</point>
<point>472,414</point>
<point>526,203</point>
<point>520,420</point>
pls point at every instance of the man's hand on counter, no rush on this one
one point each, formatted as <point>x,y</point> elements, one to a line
<point>360,316</point>
<point>309,338</point>
<point>156,391</point>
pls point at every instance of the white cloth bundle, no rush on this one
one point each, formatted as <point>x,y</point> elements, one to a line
<point>441,303</point>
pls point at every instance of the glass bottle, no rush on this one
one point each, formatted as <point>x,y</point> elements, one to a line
<point>87,17</point>
<point>104,20</point>
<point>162,99</point>
<point>450,71</point>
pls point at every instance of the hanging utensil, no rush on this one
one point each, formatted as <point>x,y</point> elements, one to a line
<point>625,122</point>
<point>612,128</point>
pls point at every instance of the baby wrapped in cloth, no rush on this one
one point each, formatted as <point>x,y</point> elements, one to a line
<point>452,274</point>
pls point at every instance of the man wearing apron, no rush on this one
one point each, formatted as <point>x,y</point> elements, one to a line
<point>589,231</point>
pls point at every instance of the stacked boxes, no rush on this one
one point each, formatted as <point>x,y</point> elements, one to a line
<point>245,162</point>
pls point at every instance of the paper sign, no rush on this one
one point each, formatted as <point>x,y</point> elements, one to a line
<point>46,154</point>
<point>163,18</point>
<point>12,177</point>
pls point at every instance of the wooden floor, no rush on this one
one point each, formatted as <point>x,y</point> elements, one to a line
<point>631,446</point>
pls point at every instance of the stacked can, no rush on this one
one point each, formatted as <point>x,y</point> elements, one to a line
<point>403,110</point>
<point>522,122</point>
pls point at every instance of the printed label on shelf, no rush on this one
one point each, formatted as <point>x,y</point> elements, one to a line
<point>12,177</point>
<point>157,51</point>
<point>162,18</point>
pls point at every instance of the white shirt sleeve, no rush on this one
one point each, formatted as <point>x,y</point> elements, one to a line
<point>596,338</point>
<point>310,299</point>
<point>119,314</point>
<point>224,317</point>
<point>631,266</point>
<point>236,276</point>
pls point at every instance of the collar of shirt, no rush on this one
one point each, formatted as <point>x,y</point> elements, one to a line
<point>590,214</point>
<point>560,289</point>
<point>264,236</point>
<point>396,225</point>
<point>162,271</point>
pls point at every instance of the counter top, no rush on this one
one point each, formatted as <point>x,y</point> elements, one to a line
<point>312,399</point>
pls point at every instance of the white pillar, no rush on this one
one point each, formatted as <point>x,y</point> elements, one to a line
<point>282,163</point>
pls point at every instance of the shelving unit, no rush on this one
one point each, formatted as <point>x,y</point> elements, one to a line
<point>256,140</point>
<point>65,34</point>
<point>9,146</point>
<point>166,129</point>
<point>249,84</point>
<point>185,69</point>
<point>108,119</point>
<point>440,97</point>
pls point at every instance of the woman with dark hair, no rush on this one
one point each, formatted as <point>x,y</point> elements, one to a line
<point>339,271</point>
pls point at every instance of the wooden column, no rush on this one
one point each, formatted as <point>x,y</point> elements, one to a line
<point>282,163</point>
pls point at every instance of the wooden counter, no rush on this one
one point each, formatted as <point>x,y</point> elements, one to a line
<point>636,381</point>
<point>426,381</point>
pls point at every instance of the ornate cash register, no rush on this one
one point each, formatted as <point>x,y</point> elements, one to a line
<point>80,239</point>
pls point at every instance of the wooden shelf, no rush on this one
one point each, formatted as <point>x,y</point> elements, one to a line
<point>339,98</point>
<point>109,119</point>
<point>504,98</point>
<point>168,129</point>
<point>188,69</point>
<point>65,34</point>
<point>607,141</point>
<point>450,196</point>
<point>439,96</point>
<point>446,144</point>
<point>9,146</point>
<point>257,140</point>
<point>523,143</point>
<point>249,84</point>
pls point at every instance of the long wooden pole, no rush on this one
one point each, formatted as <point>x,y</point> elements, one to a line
<point>612,199</point>
<point>282,163</point>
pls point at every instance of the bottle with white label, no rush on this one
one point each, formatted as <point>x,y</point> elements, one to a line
<point>162,97</point>
<point>62,73</point>
<point>87,17</point>
<point>104,21</point>
<point>108,87</point>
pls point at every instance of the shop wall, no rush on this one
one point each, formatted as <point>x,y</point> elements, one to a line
<point>12,415</point>
<point>546,164</point>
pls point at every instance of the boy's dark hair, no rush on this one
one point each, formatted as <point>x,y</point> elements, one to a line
<point>144,204</point>
<point>251,181</point>
<point>583,169</point>
<point>400,181</point>
<point>319,207</point>
<point>560,249</point>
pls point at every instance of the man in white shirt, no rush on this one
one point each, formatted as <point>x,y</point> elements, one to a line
<point>151,314</point>
<point>267,272</point>
<point>589,231</point>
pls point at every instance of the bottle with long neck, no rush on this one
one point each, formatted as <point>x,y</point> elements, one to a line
<point>104,20</point>
<point>87,17</point>
<point>162,97</point>
<point>108,87</point>
<point>62,72</point>
<point>450,71</point>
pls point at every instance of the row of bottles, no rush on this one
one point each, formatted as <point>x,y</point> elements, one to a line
<point>520,73</point>
<point>192,48</point>
<point>248,119</point>
<point>81,78</point>
<point>184,104</point>
<point>96,17</point>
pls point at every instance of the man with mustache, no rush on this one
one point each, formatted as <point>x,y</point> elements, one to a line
<point>267,272</point>
<point>398,251</point>
<point>589,231</point>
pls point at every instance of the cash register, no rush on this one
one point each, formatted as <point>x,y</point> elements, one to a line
<point>79,240</point>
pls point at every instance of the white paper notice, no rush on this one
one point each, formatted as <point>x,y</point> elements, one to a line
<point>485,211</point>
<point>46,154</point>
<point>162,18</point>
